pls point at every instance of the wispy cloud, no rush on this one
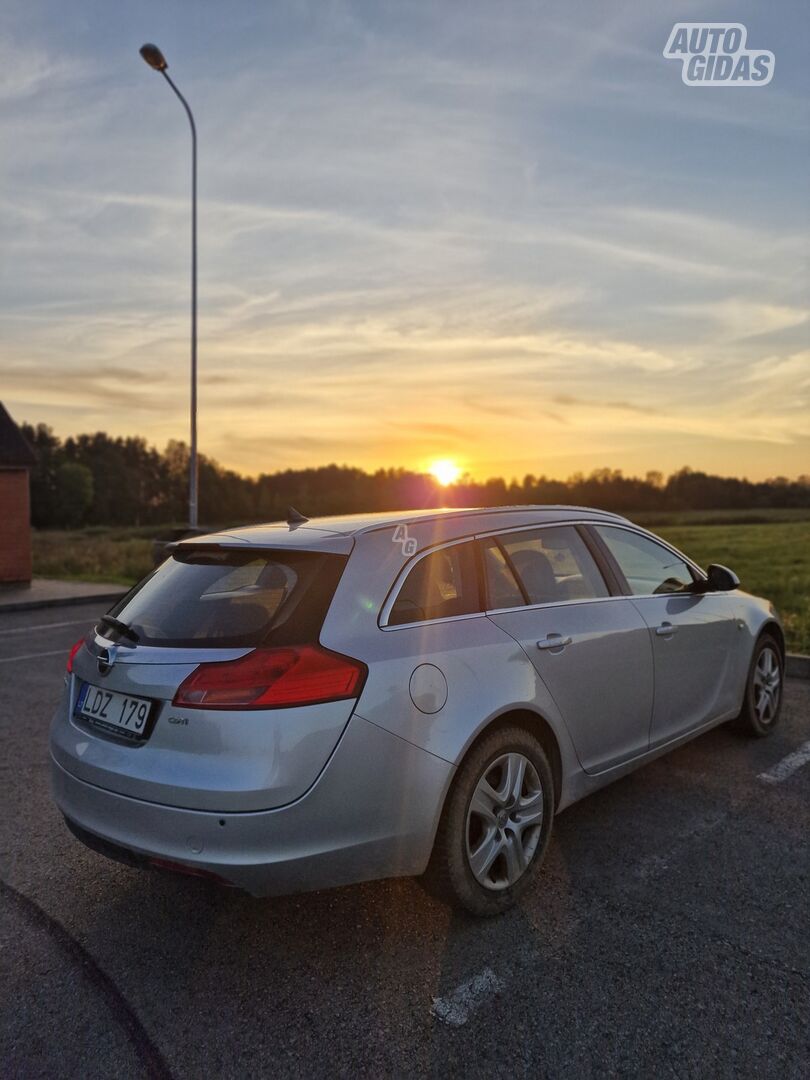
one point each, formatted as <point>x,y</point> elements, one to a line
<point>419,234</point>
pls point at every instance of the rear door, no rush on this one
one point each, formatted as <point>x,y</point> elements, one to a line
<point>692,634</point>
<point>591,649</point>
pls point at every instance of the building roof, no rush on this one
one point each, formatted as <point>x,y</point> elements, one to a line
<point>15,451</point>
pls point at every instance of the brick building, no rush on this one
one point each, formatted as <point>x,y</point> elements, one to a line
<point>16,458</point>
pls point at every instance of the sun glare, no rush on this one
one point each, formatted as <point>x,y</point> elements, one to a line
<point>445,472</point>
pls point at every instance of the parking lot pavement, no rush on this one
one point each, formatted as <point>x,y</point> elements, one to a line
<point>667,934</point>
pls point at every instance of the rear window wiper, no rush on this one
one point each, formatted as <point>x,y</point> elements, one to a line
<point>120,627</point>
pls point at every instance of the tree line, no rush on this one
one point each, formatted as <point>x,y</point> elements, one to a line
<point>99,480</point>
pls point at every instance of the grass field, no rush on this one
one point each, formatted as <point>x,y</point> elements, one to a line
<point>768,550</point>
<point>118,556</point>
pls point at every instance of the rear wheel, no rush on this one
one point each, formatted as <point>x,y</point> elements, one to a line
<point>496,824</point>
<point>763,691</point>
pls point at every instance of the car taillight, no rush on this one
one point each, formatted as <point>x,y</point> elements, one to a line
<point>273,678</point>
<point>72,654</point>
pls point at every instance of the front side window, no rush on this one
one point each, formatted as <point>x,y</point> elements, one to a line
<point>442,584</point>
<point>554,565</point>
<point>650,568</point>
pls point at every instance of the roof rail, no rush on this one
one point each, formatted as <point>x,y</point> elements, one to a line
<point>470,511</point>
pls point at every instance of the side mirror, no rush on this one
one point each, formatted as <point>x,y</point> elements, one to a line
<point>721,579</point>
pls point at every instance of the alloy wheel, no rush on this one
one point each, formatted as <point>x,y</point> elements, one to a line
<point>504,821</point>
<point>767,685</point>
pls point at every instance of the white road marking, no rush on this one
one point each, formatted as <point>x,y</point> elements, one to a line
<point>47,626</point>
<point>33,656</point>
<point>787,766</point>
<point>455,1008</point>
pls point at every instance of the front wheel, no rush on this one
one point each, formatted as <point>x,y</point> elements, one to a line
<point>763,690</point>
<point>496,823</point>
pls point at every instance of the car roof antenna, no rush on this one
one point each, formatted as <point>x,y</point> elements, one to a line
<point>295,518</point>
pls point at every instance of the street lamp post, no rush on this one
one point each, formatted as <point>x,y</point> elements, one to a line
<point>155,59</point>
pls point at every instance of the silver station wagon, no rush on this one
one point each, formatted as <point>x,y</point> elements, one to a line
<point>312,703</point>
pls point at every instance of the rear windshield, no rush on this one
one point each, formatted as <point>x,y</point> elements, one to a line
<point>232,598</point>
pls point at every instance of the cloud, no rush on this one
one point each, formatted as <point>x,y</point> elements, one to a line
<point>28,69</point>
<point>416,231</point>
<point>738,318</point>
<point>789,373</point>
<point>621,406</point>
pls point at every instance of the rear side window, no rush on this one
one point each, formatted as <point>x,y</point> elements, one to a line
<point>201,598</point>
<point>554,565</point>
<point>441,584</point>
<point>649,567</point>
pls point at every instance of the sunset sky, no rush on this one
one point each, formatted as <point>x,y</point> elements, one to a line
<point>506,235</point>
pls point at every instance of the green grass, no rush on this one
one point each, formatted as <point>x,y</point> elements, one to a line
<point>772,559</point>
<point>114,555</point>
<point>655,519</point>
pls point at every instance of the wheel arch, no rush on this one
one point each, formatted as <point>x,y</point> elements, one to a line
<point>538,726</point>
<point>772,628</point>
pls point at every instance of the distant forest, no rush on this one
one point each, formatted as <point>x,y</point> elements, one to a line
<point>99,480</point>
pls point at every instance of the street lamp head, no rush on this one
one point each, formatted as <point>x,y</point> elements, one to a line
<point>154,57</point>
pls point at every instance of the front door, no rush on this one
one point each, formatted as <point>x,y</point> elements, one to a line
<point>692,634</point>
<point>591,650</point>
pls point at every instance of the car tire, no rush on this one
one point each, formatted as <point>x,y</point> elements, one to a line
<point>763,689</point>
<point>496,824</point>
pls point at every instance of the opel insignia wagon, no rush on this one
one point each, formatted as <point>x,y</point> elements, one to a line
<point>307,704</point>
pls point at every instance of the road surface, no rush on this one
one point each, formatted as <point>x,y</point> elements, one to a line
<point>667,935</point>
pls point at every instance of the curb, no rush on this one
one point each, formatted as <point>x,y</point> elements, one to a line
<point>62,601</point>
<point>797,666</point>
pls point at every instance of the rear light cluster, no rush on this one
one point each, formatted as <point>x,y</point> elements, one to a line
<point>273,678</point>
<point>72,654</point>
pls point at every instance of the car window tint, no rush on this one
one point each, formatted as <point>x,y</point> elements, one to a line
<point>199,597</point>
<point>441,584</point>
<point>554,565</point>
<point>503,590</point>
<point>649,567</point>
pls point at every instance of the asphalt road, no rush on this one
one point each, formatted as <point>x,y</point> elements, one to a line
<point>667,936</point>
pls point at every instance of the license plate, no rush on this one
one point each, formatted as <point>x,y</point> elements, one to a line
<point>123,712</point>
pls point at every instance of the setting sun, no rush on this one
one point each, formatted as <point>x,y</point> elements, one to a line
<point>445,472</point>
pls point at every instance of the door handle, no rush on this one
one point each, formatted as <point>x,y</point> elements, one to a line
<point>666,629</point>
<point>554,641</point>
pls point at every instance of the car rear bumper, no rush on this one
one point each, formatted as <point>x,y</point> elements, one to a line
<point>372,813</point>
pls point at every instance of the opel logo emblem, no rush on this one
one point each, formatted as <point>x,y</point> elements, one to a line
<point>106,659</point>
